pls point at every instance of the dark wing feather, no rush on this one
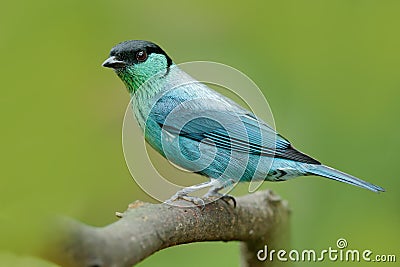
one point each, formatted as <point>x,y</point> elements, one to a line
<point>246,134</point>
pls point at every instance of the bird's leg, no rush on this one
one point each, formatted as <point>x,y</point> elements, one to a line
<point>213,193</point>
<point>183,193</point>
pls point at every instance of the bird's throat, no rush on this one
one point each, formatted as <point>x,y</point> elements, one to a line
<point>131,82</point>
<point>134,83</point>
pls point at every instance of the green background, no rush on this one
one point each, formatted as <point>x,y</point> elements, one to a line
<point>329,69</point>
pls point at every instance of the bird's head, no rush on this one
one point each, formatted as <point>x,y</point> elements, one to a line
<point>136,61</point>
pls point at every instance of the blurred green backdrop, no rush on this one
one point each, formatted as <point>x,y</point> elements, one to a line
<point>329,69</point>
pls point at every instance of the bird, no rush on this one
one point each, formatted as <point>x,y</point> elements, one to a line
<point>205,132</point>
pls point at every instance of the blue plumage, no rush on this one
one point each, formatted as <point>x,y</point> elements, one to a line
<point>205,132</point>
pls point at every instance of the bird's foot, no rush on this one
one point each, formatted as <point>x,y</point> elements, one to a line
<point>195,200</point>
<point>215,195</point>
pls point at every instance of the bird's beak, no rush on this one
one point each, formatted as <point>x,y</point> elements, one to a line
<point>114,63</point>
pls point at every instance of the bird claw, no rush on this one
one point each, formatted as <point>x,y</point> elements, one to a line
<point>226,198</point>
<point>172,199</point>
<point>195,200</point>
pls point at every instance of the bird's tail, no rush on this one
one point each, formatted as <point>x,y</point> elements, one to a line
<point>327,172</point>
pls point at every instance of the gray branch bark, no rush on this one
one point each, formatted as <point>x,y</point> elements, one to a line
<point>259,219</point>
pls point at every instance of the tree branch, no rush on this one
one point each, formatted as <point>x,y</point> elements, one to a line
<point>259,219</point>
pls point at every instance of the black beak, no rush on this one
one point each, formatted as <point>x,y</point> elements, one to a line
<point>114,63</point>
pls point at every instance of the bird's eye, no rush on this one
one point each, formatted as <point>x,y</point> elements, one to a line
<point>141,56</point>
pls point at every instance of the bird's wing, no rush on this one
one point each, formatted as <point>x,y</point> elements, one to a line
<point>238,129</point>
